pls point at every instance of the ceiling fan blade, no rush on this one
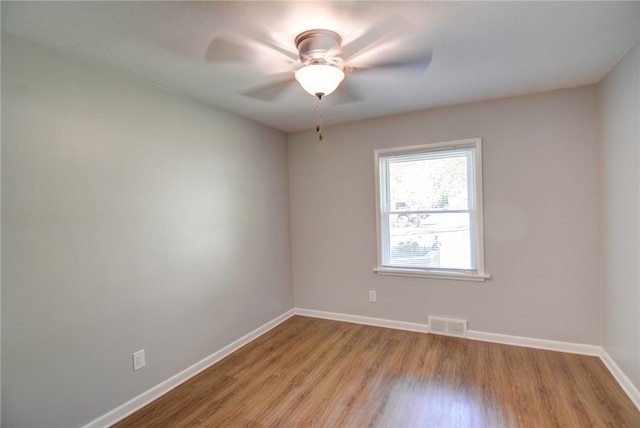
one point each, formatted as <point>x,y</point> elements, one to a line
<point>284,51</point>
<point>345,94</point>
<point>271,91</point>
<point>226,49</point>
<point>373,35</point>
<point>229,49</point>
<point>415,65</point>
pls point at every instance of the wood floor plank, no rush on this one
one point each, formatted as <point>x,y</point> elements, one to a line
<point>320,373</point>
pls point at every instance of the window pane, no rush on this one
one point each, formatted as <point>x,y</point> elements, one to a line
<point>429,181</point>
<point>437,240</point>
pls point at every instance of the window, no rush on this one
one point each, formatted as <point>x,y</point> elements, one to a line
<point>429,210</point>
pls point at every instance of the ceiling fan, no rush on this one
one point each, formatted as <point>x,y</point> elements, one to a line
<point>323,65</point>
<point>320,63</point>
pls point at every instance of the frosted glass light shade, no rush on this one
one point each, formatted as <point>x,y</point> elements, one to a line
<point>319,79</point>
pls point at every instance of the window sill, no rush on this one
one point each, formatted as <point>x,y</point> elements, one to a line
<point>420,273</point>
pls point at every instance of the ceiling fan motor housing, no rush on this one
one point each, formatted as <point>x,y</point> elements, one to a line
<point>318,47</point>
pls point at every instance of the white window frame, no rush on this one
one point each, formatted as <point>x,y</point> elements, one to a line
<point>382,235</point>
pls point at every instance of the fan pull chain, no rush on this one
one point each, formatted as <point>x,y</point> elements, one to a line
<point>319,119</point>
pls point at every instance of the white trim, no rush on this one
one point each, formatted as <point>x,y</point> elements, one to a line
<point>162,388</point>
<point>623,380</point>
<point>418,273</point>
<point>475,201</point>
<point>356,319</point>
<point>530,342</point>
<point>527,342</point>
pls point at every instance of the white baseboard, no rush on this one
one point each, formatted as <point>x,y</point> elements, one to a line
<point>622,379</point>
<point>162,388</point>
<point>529,342</point>
<point>356,319</point>
<point>574,348</point>
<point>146,397</point>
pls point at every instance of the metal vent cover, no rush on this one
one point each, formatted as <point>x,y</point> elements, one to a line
<point>448,326</point>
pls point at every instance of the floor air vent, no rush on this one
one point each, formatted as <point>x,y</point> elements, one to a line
<point>448,326</point>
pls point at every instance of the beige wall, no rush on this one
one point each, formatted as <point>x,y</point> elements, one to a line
<point>619,113</point>
<point>132,218</point>
<point>542,214</point>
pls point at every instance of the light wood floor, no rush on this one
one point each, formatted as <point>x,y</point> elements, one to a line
<point>317,373</point>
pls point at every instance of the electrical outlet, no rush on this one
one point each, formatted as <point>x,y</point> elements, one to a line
<point>372,296</point>
<point>138,360</point>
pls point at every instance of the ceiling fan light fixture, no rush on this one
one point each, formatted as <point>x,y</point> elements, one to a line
<point>319,79</point>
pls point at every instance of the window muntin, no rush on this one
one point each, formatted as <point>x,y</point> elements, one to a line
<point>429,213</point>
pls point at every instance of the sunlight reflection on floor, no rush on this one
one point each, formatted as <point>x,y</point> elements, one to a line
<point>413,403</point>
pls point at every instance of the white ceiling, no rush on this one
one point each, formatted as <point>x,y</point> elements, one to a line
<point>481,50</point>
